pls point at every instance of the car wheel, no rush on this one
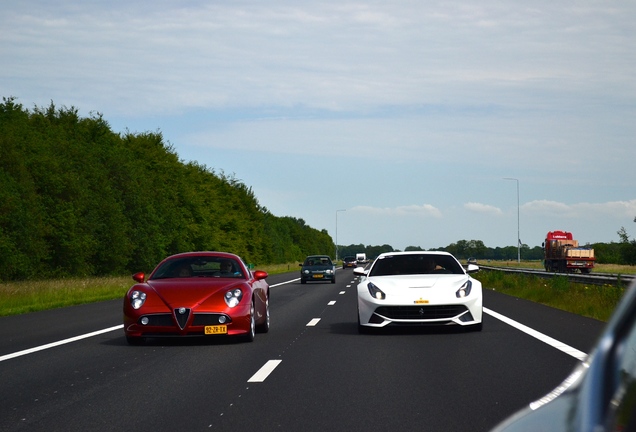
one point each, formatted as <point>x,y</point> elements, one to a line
<point>302,281</point>
<point>333,280</point>
<point>136,341</point>
<point>249,337</point>
<point>362,329</point>
<point>264,328</point>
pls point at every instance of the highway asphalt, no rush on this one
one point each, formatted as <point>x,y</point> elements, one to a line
<point>71,369</point>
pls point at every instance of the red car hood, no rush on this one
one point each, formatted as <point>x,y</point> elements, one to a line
<point>190,292</point>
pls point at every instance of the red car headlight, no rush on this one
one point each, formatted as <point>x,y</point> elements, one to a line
<point>137,299</point>
<point>233,297</point>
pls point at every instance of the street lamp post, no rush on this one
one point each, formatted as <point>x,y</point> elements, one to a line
<point>518,234</point>
<point>342,210</point>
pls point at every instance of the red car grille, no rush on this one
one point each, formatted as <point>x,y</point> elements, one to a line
<point>182,315</point>
<point>166,320</point>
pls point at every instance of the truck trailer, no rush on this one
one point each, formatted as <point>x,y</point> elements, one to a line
<point>564,255</point>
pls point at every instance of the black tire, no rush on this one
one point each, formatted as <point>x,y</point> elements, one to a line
<point>333,280</point>
<point>303,281</point>
<point>362,329</point>
<point>264,328</point>
<point>249,337</point>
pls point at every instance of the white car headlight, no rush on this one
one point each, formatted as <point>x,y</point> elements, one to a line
<point>375,292</point>
<point>137,299</point>
<point>329,271</point>
<point>464,291</point>
<point>233,297</point>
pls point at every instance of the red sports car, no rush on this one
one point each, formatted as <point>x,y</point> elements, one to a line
<point>197,294</point>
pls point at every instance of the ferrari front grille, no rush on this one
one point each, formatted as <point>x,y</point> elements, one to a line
<point>420,312</point>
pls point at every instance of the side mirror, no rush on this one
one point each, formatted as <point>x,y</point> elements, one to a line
<point>260,274</point>
<point>472,268</point>
<point>139,277</point>
<point>360,271</point>
<point>301,264</point>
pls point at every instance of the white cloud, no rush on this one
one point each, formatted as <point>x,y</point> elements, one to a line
<point>424,210</point>
<point>612,209</point>
<point>483,208</point>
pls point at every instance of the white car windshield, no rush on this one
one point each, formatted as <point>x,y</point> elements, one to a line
<point>415,264</point>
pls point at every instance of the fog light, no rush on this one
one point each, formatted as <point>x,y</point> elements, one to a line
<point>221,319</point>
<point>144,320</point>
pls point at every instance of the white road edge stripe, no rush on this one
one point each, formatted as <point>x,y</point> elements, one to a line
<point>264,372</point>
<point>58,343</point>
<point>543,338</point>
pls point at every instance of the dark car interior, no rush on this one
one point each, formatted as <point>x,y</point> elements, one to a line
<point>394,265</point>
<point>199,267</point>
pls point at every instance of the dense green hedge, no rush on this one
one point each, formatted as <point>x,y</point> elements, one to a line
<point>77,199</point>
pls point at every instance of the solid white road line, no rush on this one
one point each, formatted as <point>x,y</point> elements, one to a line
<point>264,372</point>
<point>283,283</point>
<point>62,342</point>
<point>543,338</point>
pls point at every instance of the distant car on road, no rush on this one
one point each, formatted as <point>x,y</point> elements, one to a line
<point>418,288</point>
<point>317,268</point>
<point>600,394</point>
<point>349,261</point>
<point>471,260</point>
<point>197,294</point>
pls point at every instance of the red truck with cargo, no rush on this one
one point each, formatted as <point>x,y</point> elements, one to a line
<point>564,255</point>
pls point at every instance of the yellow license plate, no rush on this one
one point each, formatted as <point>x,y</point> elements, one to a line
<point>420,301</point>
<point>318,276</point>
<point>218,329</point>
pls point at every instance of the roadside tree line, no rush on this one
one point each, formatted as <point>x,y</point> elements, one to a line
<point>77,199</point>
<point>622,252</point>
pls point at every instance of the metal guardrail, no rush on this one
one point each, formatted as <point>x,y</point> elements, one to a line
<point>592,278</point>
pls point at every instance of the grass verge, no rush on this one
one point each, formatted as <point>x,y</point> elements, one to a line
<point>594,301</point>
<point>32,296</point>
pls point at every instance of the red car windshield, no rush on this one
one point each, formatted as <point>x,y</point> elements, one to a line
<point>199,267</point>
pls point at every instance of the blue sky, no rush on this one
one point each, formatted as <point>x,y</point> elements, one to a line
<point>406,114</point>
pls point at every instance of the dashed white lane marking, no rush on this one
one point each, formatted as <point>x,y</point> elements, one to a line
<point>341,292</point>
<point>543,338</point>
<point>313,322</point>
<point>264,372</point>
<point>331,303</point>
<point>58,343</point>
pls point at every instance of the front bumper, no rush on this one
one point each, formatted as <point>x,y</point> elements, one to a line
<point>464,312</point>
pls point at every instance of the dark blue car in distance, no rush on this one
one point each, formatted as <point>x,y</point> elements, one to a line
<point>317,268</point>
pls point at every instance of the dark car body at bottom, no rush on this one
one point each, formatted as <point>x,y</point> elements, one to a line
<point>600,394</point>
